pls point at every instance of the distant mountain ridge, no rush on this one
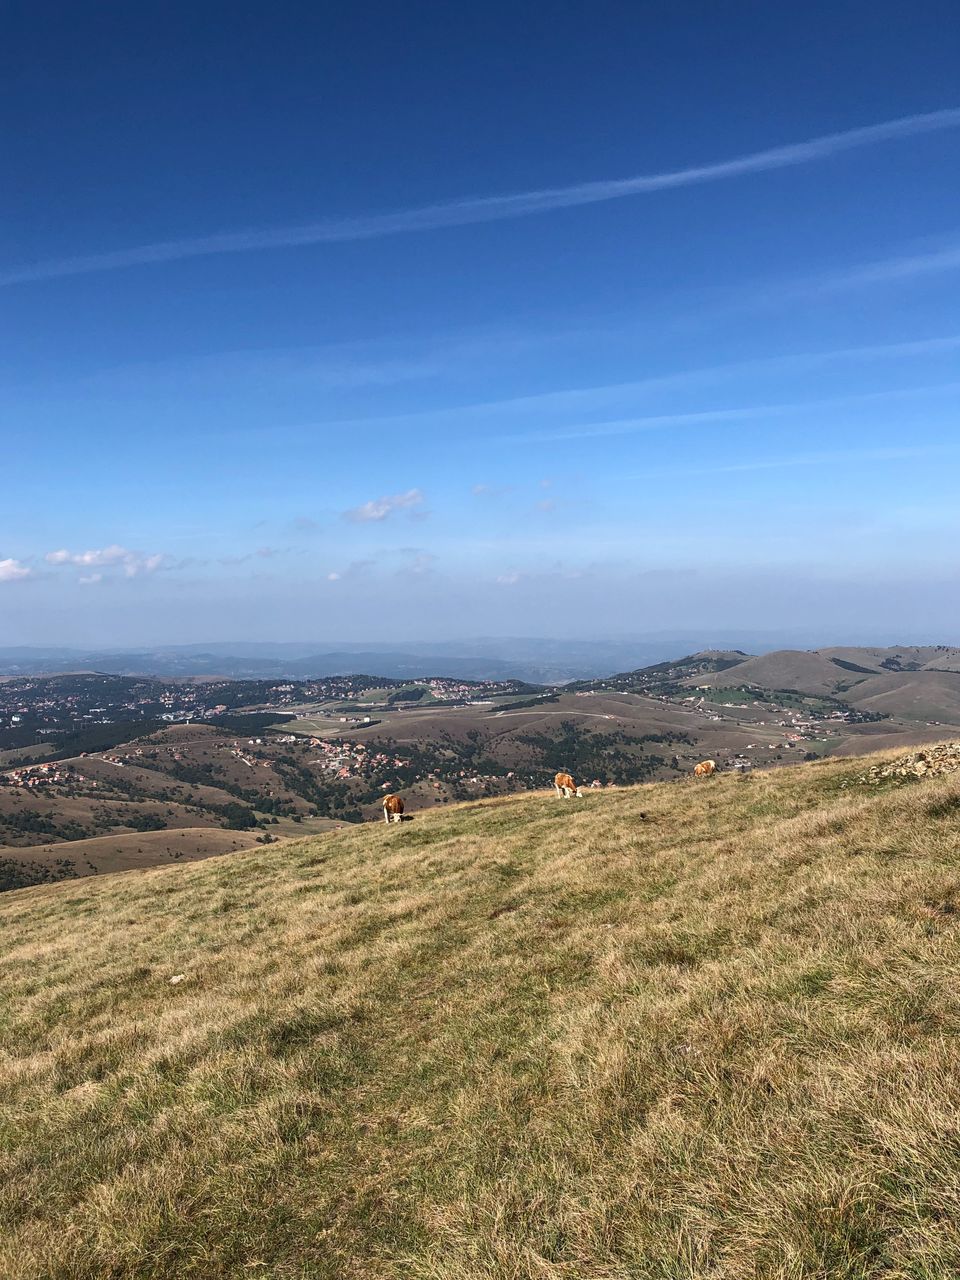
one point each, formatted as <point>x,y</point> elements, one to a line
<point>537,661</point>
<point>172,664</point>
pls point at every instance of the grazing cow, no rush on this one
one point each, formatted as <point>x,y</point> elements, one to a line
<point>392,809</point>
<point>566,787</point>
<point>705,768</point>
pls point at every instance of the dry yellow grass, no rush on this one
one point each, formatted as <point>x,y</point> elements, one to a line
<point>126,851</point>
<point>526,1039</point>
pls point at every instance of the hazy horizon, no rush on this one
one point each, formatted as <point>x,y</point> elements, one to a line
<point>761,641</point>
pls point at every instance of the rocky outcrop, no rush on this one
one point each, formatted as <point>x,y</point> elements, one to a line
<point>928,762</point>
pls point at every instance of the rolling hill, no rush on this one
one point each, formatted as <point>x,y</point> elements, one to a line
<point>783,669</point>
<point>917,684</point>
<point>668,1031</point>
<point>926,695</point>
<point>101,779</point>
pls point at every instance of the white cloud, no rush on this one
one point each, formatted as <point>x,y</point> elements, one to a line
<point>381,508</point>
<point>333,577</point>
<point>90,579</point>
<point>456,213</point>
<point>14,571</point>
<point>130,562</point>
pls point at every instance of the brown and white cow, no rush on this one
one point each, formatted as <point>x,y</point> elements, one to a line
<point>392,809</point>
<point>705,768</point>
<point>566,787</point>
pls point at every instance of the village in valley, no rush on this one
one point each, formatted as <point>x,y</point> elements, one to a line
<point>97,767</point>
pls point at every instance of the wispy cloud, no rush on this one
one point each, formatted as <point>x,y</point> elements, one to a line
<point>594,398</point>
<point>478,209</point>
<point>130,562</point>
<point>415,563</point>
<point>652,422</point>
<point>355,569</point>
<point>908,266</point>
<point>916,262</point>
<point>14,571</point>
<point>491,490</point>
<point>261,553</point>
<point>380,508</point>
<point>789,461</point>
<point>332,366</point>
<point>304,524</point>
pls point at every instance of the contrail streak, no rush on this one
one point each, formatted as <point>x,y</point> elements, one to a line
<point>593,398</point>
<point>478,209</point>
<point>919,453</point>
<point>907,267</point>
<point>653,422</point>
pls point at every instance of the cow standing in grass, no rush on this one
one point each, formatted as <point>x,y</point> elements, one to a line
<point>392,809</point>
<point>705,768</point>
<point>566,787</point>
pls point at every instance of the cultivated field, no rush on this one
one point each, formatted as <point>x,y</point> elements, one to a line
<point>706,1029</point>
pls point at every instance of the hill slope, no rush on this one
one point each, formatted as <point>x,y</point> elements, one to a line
<point>922,695</point>
<point>784,669</point>
<point>921,685</point>
<point>524,1038</point>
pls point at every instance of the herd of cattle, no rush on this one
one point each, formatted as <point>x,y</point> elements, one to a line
<point>563,784</point>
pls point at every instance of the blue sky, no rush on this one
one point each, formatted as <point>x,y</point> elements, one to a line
<point>419,322</point>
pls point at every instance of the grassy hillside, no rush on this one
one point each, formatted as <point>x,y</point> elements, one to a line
<point>525,1039</point>
<point>784,669</point>
<point>919,684</point>
<point>923,695</point>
